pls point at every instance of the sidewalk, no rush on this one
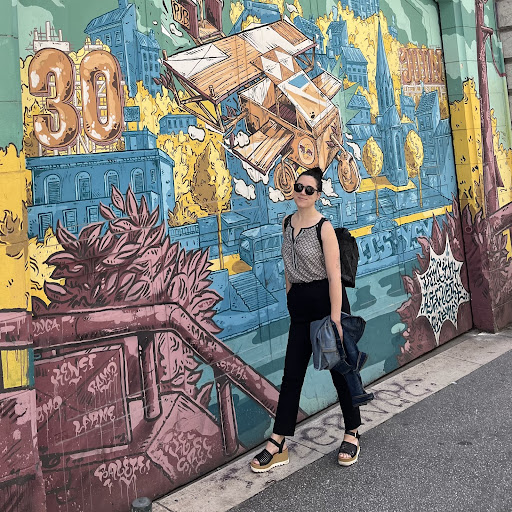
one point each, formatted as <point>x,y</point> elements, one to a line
<point>437,437</point>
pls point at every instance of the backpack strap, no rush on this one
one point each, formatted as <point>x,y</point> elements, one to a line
<point>319,231</point>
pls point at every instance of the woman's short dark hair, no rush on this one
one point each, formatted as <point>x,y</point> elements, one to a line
<point>317,175</point>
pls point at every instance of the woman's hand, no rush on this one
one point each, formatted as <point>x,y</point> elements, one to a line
<point>339,328</point>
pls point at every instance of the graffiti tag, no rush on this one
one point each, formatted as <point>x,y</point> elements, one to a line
<point>125,471</point>
<point>45,325</point>
<point>68,373</point>
<point>103,381</point>
<point>43,412</point>
<point>94,419</point>
<point>187,451</point>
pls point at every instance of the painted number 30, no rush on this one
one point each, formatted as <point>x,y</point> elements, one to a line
<point>96,64</point>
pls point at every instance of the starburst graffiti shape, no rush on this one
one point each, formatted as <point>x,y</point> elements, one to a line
<point>442,291</point>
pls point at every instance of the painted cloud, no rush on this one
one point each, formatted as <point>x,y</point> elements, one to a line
<point>244,190</point>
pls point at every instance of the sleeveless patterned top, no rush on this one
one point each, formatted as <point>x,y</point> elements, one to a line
<point>302,255</point>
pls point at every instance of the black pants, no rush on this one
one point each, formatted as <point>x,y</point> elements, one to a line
<point>308,302</point>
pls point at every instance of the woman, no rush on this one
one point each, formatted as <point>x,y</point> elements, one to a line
<point>314,290</point>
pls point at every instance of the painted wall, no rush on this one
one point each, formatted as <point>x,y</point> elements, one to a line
<point>148,163</point>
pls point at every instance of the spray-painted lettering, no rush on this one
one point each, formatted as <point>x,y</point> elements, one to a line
<point>103,381</point>
<point>69,373</point>
<point>94,419</point>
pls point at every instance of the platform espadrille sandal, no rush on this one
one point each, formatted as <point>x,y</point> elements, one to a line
<point>268,461</point>
<point>350,449</point>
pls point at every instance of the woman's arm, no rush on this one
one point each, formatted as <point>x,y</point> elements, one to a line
<point>288,284</point>
<point>332,264</point>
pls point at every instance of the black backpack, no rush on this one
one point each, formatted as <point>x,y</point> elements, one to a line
<point>349,252</point>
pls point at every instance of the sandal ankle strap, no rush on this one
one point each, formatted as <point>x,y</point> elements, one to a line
<point>354,434</point>
<point>279,445</point>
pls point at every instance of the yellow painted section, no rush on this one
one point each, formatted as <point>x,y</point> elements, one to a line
<point>382,182</point>
<point>15,366</point>
<point>14,184</point>
<point>366,230</point>
<point>423,215</point>
<point>232,263</point>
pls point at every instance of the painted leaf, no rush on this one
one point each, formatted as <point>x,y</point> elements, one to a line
<point>117,199</point>
<point>131,205</point>
<point>91,232</point>
<point>106,212</point>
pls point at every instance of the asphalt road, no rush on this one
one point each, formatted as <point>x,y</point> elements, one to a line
<point>450,452</point>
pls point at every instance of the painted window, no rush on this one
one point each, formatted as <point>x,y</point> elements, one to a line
<point>52,189</point>
<point>153,176</point>
<point>92,214</point>
<point>70,220</point>
<point>83,186</point>
<point>137,181</point>
<point>118,37</point>
<point>45,221</point>
<point>111,180</point>
<point>108,39</point>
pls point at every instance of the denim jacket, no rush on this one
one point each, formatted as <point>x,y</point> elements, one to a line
<point>330,353</point>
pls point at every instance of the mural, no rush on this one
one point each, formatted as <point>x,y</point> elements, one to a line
<point>143,315</point>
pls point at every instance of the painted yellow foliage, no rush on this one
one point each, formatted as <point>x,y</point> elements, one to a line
<point>413,150</point>
<point>365,33</point>
<point>373,160</point>
<point>14,184</point>
<point>40,272</point>
<point>249,21</point>
<point>185,152</point>
<point>236,10</point>
<point>150,111</point>
<point>211,181</point>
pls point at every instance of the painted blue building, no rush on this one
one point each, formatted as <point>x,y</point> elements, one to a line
<point>136,52</point>
<point>266,13</point>
<point>173,123</point>
<point>360,103</point>
<point>392,28</point>
<point>362,8</point>
<point>407,106</point>
<point>354,65</point>
<point>70,188</point>
<point>338,36</point>
<point>429,116</point>
<point>388,120</point>
<point>311,30</point>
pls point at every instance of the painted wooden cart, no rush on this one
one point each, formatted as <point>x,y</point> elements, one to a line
<point>290,117</point>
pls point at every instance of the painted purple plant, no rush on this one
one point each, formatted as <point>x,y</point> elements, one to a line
<point>132,263</point>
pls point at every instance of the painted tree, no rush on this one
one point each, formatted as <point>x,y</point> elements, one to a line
<point>211,187</point>
<point>413,149</point>
<point>373,159</point>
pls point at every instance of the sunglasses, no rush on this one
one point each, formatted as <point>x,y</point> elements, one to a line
<point>299,187</point>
